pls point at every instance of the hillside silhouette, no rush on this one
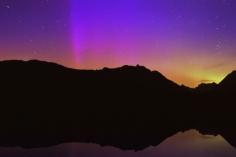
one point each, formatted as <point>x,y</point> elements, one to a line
<point>130,107</point>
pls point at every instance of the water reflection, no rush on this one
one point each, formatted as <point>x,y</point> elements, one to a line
<point>187,144</point>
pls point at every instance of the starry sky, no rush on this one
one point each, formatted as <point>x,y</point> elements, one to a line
<point>189,41</point>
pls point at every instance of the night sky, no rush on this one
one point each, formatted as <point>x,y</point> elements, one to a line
<point>189,41</point>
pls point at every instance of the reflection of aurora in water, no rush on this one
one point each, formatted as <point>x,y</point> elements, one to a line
<point>187,144</point>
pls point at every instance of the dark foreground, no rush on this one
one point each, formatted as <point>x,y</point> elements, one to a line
<point>44,104</point>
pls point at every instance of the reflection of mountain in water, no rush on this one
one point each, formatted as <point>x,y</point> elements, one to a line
<point>187,144</point>
<point>194,144</point>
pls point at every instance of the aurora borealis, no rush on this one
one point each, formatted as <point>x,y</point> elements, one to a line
<point>189,41</point>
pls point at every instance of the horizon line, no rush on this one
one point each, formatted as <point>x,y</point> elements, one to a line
<point>102,68</point>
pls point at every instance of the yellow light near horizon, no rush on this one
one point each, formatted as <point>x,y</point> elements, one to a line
<point>191,68</point>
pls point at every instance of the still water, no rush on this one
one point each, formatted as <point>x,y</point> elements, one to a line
<point>185,144</point>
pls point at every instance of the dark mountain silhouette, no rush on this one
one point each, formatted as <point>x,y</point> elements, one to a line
<point>229,83</point>
<point>44,104</point>
<point>206,87</point>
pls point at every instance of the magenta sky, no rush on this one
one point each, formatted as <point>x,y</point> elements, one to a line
<point>189,41</point>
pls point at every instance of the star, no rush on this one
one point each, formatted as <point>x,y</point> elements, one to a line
<point>8,6</point>
<point>43,27</point>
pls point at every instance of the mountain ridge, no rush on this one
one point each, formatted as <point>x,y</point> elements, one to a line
<point>45,104</point>
<point>124,67</point>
